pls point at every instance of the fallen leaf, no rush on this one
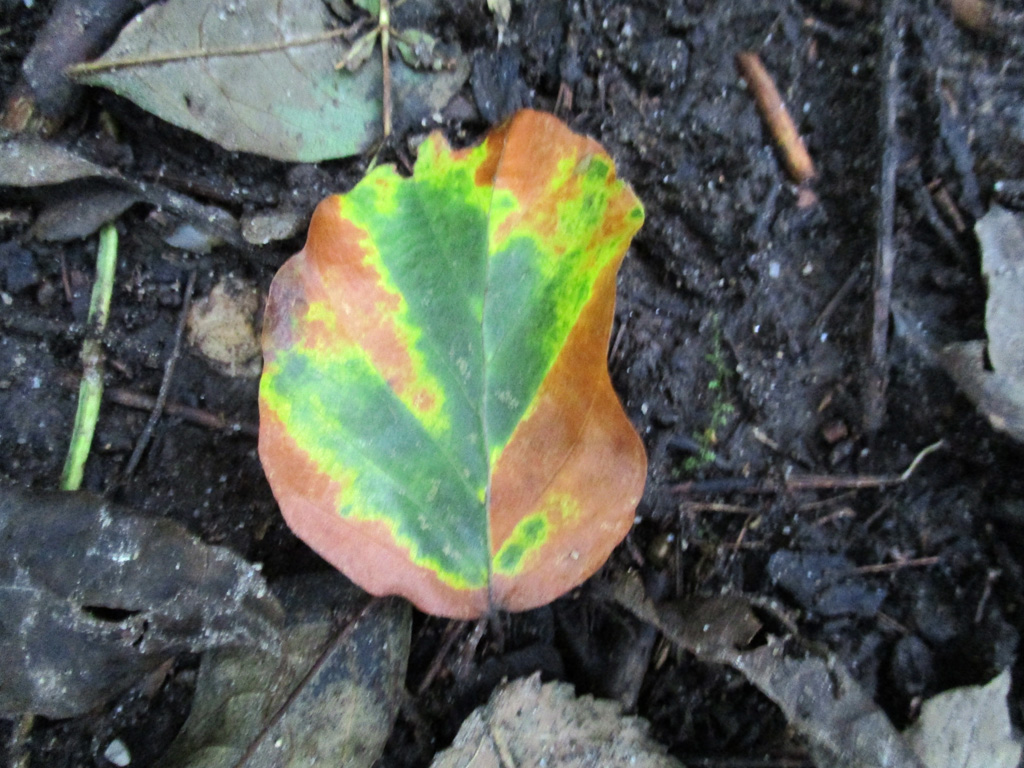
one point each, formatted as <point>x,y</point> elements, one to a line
<point>998,393</point>
<point>38,163</point>
<point>436,415</point>
<point>529,725</point>
<point>260,77</point>
<point>821,701</point>
<point>32,163</point>
<point>92,598</point>
<point>967,727</point>
<point>81,213</point>
<point>329,698</point>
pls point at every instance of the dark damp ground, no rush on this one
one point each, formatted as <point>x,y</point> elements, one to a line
<point>740,351</point>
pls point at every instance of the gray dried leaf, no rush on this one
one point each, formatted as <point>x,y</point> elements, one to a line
<point>31,163</point>
<point>998,393</point>
<point>81,213</point>
<point>967,727</point>
<point>92,598</point>
<point>529,725</point>
<point>277,94</point>
<point>330,697</point>
<point>37,163</point>
<point>843,727</point>
<point>1001,234</point>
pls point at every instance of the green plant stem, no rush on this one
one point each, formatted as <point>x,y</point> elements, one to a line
<point>90,393</point>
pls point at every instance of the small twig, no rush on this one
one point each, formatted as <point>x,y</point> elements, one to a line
<point>720,485</point>
<point>500,743</point>
<point>773,110</point>
<point>362,48</point>
<point>822,319</point>
<point>732,545</point>
<point>452,632</point>
<point>327,650</point>
<point>141,402</point>
<point>990,579</point>
<point>944,201</point>
<point>843,513</point>
<point>469,649</point>
<point>755,762</point>
<point>885,253</point>
<point>811,482</point>
<point>165,383</point>
<point>690,508</point>
<point>743,531</point>
<point>884,507</point>
<point>885,621</point>
<point>926,200</point>
<point>899,565</point>
<point>926,451</point>
<point>619,336</point>
<point>17,746</point>
<point>185,412</point>
<point>90,393</point>
<point>65,280</point>
<point>810,506</point>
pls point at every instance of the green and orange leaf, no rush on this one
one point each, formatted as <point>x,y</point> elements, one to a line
<point>436,415</point>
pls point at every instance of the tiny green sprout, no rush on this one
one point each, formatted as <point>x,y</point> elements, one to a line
<point>722,409</point>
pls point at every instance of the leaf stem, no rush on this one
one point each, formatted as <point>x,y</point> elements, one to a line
<point>90,392</point>
<point>104,65</point>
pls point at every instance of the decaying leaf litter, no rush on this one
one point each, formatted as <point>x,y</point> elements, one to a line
<point>740,340</point>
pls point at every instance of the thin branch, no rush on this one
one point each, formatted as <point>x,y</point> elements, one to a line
<point>885,253</point>
<point>165,383</point>
<point>141,402</point>
<point>773,111</point>
<point>899,565</point>
<point>198,416</point>
<point>808,482</point>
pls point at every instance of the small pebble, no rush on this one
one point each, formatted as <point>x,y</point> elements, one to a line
<point>117,753</point>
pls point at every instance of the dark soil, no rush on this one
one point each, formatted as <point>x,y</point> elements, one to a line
<point>740,351</point>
